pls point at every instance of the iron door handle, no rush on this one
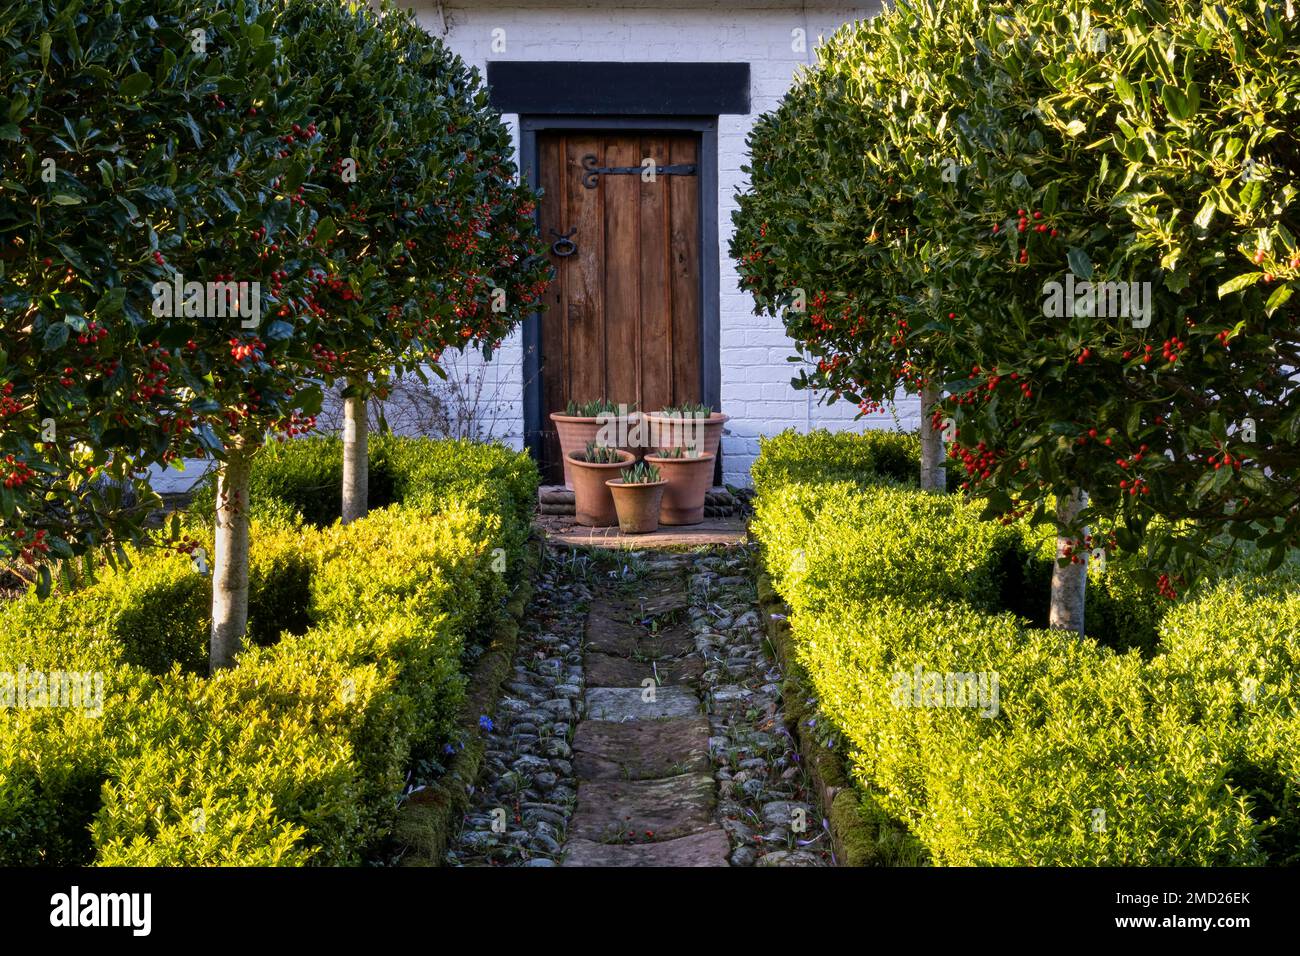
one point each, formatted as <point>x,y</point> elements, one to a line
<point>563,245</point>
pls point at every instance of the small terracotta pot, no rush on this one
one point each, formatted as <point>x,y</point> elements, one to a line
<point>637,504</point>
<point>575,431</point>
<point>688,482</point>
<point>593,504</point>
<point>667,431</point>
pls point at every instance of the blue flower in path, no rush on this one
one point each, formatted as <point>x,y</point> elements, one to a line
<point>485,722</point>
<point>448,749</point>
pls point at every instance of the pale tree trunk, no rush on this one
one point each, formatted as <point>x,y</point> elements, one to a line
<point>230,563</point>
<point>356,459</point>
<point>1069,583</point>
<point>933,476</point>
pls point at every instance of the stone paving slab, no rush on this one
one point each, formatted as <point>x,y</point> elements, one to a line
<point>608,670</point>
<point>669,602</point>
<point>707,848</point>
<point>627,703</point>
<point>641,750</point>
<point>616,614</point>
<point>623,811</point>
<point>671,642</point>
<point>670,598</point>
<point>606,635</point>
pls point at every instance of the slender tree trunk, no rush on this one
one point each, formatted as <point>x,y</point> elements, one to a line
<point>933,476</point>
<point>356,459</point>
<point>1069,583</point>
<point>230,563</point>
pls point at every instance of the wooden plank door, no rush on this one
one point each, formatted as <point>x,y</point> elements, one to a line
<point>623,320</point>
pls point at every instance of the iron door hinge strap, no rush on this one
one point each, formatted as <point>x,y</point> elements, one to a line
<point>592,171</point>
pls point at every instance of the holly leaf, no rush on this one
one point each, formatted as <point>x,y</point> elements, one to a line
<point>1279,296</point>
<point>136,85</point>
<point>56,336</point>
<point>279,330</point>
<point>111,302</point>
<point>72,257</point>
<point>1237,283</point>
<point>310,399</point>
<point>1079,263</point>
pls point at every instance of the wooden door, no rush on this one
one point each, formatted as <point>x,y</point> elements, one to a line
<point>623,320</point>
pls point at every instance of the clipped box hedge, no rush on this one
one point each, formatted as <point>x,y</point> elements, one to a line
<point>1091,756</point>
<point>360,637</point>
<point>822,455</point>
<point>306,477</point>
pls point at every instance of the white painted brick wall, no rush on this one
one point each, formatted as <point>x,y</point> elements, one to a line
<point>756,388</point>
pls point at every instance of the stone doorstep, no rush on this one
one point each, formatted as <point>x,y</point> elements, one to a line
<point>628,703</point>
<point>561,529</point>
<point>707,848</point>
<point>609,670</point>
<point>641,750</point>
<point>612,811</point>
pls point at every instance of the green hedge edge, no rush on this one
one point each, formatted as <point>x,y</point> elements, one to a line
<point>429,820</point>
<point>861,832</point>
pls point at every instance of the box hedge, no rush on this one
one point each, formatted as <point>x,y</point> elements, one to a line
<point>1089,755</point>
<point>822,455</point>
<point>354,672</point>
<point>305,476</point>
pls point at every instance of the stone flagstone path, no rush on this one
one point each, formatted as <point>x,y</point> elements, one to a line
<point>646,792</point>
<point>643,725</point>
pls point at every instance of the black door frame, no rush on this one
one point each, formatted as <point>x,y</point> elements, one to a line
<point>710,345</point>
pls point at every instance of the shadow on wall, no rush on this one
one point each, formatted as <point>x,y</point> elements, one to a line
<point>471,403</point>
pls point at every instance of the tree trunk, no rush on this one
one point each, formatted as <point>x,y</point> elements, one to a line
<point>356,459</point>
<point>230,563</point>
<point>1069,583</point>
<point>933,476</point>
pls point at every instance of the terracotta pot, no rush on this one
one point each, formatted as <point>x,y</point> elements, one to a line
<point>593,504</point>
<point>677,432</point>
<point>637,504</point>
<point>575,431</point>
<point>688,482</point>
